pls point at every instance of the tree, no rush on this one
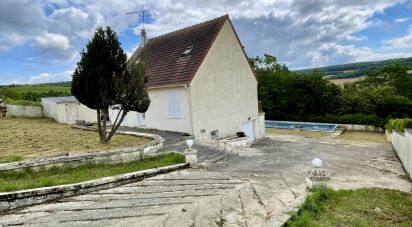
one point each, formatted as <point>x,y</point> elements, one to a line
<point>101,80</point>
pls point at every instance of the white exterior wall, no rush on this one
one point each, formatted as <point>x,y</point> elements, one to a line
<point>58,111</point>
<point>224,90</point>
<point>24,111</point>
<point>403,147</point>
<point>156,116</point>
<point>87,114</point>
<point>49,108</point>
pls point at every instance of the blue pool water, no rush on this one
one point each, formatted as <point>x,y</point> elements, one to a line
<point>301,125</point>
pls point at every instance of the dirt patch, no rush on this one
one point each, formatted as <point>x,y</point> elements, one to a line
<point>310,134</point>
<point>376,137</point>
<point>28,138</point>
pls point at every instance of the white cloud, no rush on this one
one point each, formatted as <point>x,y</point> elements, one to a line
<point>51,77</point>
<point>401,20</point>
<point>401,42</point>
<point>303,33</point>
<point>54,41</point>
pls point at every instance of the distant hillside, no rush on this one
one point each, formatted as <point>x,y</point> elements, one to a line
<point>60,87</point>
<point>354,70</point>
<point>31,94</point>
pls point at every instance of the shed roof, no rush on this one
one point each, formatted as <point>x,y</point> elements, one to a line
<point>61,99</point>
<point>164,59</point>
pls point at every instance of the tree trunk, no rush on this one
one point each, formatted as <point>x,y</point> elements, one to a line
<point>103,138</point>
<point>99,126</point>
<point>117,125</point>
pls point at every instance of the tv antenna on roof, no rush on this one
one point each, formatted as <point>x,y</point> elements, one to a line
<point>142,12</point>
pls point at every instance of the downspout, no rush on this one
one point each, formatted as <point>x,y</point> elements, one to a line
<point>190,109</point>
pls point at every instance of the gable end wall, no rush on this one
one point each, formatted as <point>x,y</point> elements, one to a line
<point>224,90</point>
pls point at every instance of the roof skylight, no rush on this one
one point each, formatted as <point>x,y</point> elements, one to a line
<point>187,51</point>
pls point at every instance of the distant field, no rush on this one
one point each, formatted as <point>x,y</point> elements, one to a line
<point>354,70</point>
<point>20,89</point>
<point>341,82</point>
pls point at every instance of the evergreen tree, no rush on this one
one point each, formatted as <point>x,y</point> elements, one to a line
<point>101,80</point>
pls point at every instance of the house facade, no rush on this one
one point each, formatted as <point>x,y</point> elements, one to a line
<point>199,82</point>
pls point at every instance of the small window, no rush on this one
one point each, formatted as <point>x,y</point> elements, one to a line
<point>187,51</point>
<point>143,115</point>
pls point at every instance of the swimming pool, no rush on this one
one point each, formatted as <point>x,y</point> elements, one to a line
<point>308,126</point>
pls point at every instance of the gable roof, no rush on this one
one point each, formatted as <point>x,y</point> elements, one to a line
<point>163,57</point>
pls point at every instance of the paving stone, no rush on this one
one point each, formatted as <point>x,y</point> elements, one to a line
<point>255,213</point>
<point>257,188</point>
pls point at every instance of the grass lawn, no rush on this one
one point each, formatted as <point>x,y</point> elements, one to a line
<point>376,137</point>
<point>28,138</point>
<point>281,131</point>
<point>361,207</point>
<point>13,180</point>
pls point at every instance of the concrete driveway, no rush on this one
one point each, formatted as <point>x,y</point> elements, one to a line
<point>256,188</point>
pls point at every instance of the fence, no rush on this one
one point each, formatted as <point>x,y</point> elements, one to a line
<point>402,143</point>
<point>24,111</point>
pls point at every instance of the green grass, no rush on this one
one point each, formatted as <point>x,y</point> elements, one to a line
<point>361,207</point>
<point>13,180</point>
<point>11,158</point>
<point>42,88</point>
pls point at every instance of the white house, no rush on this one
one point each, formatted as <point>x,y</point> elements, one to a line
<point>199,82</point>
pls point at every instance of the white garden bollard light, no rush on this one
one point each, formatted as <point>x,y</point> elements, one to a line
<point>191,154</point>
<point>317,177</point>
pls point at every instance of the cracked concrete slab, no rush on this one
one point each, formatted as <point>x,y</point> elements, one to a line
<point>259,187</point>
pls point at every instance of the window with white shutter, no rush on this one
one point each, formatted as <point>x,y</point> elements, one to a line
<point>174,105</point>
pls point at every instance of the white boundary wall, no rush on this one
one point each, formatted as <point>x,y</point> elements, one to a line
<point>24,111</point>
<point>402,143</point>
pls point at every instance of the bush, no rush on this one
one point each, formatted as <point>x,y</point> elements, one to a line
<point>360,119</point>
<point>398,125</point>
<point>22,102</point>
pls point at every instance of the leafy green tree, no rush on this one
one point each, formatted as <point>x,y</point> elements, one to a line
<point>287,95</point>
<point>101,80</point>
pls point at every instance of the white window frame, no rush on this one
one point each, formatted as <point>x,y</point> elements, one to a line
<point>174,107</point>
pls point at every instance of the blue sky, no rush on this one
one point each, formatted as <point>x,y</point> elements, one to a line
<point>40,40</point>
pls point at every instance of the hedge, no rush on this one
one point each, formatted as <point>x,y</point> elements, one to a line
<point>360,119</point>
<point>399,125</point>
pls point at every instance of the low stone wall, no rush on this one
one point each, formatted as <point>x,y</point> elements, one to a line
<point>362,128</point>
<point>17,199</point>
<point>402,143</point>
<point>24,111</point>
<point>113,156</point>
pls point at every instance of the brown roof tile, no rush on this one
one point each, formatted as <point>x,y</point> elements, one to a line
<point>163,57</point>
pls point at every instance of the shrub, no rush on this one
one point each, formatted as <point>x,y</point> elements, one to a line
<point>22,102</point>
<point>361,119</point>
<point>398,125</point>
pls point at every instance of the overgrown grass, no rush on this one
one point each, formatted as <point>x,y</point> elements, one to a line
<point>13,180</point>
<point>41,137</point>
<point>361,207</point>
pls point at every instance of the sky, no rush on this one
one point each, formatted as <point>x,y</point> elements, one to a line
<point>40,40</point>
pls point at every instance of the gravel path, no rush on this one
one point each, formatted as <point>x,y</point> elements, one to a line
<point>176,141</point>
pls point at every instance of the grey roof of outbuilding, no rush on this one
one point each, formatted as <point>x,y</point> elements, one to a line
<point>60,99</point>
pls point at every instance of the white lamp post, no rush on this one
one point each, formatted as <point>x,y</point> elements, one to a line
<point>189,143</point>
<point>317,177</point>
<point>317,163</point>
<point>191,154</point>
